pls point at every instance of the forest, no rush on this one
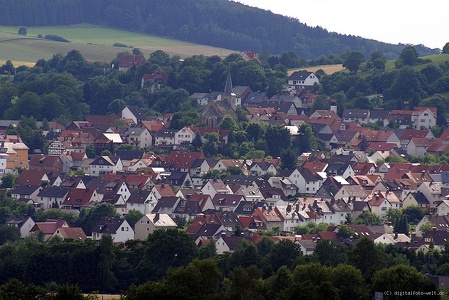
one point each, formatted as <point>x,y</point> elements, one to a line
<point>219,23</point>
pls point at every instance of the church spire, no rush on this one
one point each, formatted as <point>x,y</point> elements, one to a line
<point>228,84</point>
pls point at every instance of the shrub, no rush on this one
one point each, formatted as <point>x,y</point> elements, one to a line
<point>56,38</point>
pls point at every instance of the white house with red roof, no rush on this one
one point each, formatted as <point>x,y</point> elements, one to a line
<point>184,136</point>
<point>47,228</point>
<point>77,198</point>
<point>159,191</point>
<point>424,117</point>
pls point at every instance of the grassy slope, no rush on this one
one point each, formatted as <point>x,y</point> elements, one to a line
<point>94,43</point>
<point>435,60</point>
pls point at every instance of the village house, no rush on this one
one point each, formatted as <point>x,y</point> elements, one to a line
<point>119,229</point>
<point>104,187</point>
<point>300,80</point>
<point>52,196</point>
<point>130,60</point>
<point>47,228</point>
<point>24,223</point>
<point>151,222</point>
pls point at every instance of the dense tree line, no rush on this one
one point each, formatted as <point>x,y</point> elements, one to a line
<point>219,23</point>
<point>66,88</point>
<point>168,265</point>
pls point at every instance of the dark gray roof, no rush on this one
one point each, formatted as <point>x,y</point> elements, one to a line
<point>356,113</point>
<point>240,89</point>
<point>138,197</point>
<point>229,219</point>
<point>308,175</point>
<point>170,133</point>
<point>317,127</point>
<point>25,189</point>
<point>104,186</point>
<point>165,201</point>
<point>137,112</point>
<point>108,225</point>
<point>270,192</point>
<point>105,160</point>
<point>336,168</point>
<point>246,208</point>
<point>208,230</point>
<point>254,98</point>
<point>54,191</point>
<point>229,200</point>
<point>325,136</point>
<point>129,154</point>
<point>420,198</point>
<point>284,98</point>
<point>278,106</point>
<point>240,179</point>
<point>377,114</point>
<point>186,207</point>
<point>299,75</point>
<point>232,241</point>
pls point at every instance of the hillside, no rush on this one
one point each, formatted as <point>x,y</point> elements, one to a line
<point>95,43</point>
<point>218,23</point>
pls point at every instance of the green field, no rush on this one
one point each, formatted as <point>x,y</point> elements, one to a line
<point>94,42</point>
<point>435,60</point>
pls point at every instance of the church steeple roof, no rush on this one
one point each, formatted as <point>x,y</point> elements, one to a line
<point>228,84</point>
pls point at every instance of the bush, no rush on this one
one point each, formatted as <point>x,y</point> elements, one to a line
<point>119,45</point>
<point>22,31</point>
<point>56,38</point>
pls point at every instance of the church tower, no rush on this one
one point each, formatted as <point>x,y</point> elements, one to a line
<point>228,84</point>
<point>230,97</point>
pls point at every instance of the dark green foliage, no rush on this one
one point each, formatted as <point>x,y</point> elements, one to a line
<point>8,180</point>
<point>445,49</point>
<point>22,31</point>
<point>330,254</point>
<point>56,38</point>
<point>106,279</point>
<point>16,290</point>
<point>207,250</point>
<point>243,283</point>
<point>368,218</point>
<point>414,214</point>
<point>409,56</point>
<point>7,68</point>
<point>354,60</point>
<point>166,249</point>
<point>244,256</point>
<point>182,119</point>
<point>289,159</point>
<point>367,257</point>
<point>284,253</point>
<point>89,217</point>
<point>133,216</point>
<point>403,278</point>
<point>69,292</point>
<point>278,138</point>
<point>9,234</point>
<point>344,231</point>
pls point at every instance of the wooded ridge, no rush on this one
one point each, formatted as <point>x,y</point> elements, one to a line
<point>219,23</point>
